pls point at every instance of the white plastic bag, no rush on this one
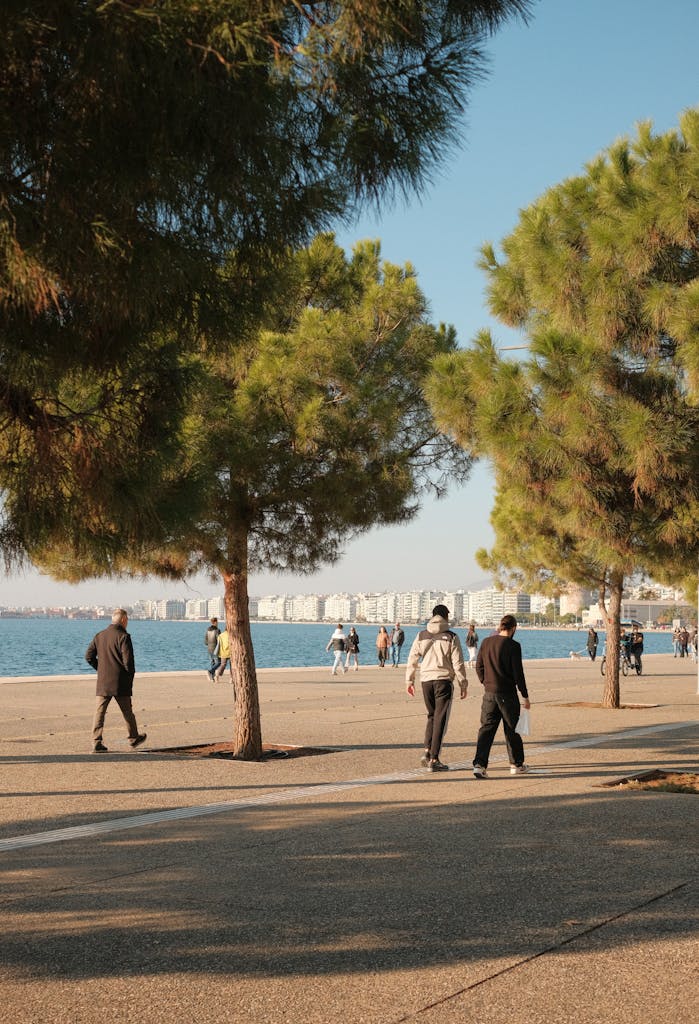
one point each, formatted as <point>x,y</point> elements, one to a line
<point>524,724</point>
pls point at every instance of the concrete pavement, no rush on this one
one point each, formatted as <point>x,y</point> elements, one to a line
<point>350,886</point>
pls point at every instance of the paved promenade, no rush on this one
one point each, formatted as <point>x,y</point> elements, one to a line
<point>351,886</point>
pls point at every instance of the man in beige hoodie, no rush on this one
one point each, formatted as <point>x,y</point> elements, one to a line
<point>437,650</point>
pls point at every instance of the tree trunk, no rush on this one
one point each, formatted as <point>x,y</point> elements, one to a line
<point>247,736</point>
<point>612,618</point>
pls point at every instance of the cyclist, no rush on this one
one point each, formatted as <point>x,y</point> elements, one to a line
<point>636,648</point>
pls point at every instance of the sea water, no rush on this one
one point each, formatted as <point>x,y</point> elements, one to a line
<point>56,647</point>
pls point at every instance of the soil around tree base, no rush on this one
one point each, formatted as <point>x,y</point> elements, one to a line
<point>598,704</point>
<point>659,780</point>
<point>270,751</point>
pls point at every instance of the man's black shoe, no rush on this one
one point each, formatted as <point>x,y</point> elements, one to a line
<point>139,740</point>
<point>99,748</point>
<point>437,766</point>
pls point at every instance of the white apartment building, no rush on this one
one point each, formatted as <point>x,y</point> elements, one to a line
<point>272,607</point>
<point>456,601</point>
<point>172,609</point>
<point>306,608</point>
<point>340,608</point>
<point>216,608</point>
<point>487,607</point>
<point>366,608</point>
<point>197,608</point>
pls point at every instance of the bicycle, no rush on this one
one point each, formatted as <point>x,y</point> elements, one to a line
<point>624,663</point>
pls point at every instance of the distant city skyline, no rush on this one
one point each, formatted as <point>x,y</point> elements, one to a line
<point>560,90</point>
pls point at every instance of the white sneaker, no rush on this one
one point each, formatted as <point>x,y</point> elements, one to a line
<point>519,769</point>
<point>479,772</point>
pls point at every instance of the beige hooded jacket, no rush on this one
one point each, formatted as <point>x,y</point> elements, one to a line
<point>437,650</point>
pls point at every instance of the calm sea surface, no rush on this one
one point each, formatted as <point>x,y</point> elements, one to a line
<point>53,647</point>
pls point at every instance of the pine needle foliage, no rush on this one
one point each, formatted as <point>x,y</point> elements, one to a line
<point>157,160</point>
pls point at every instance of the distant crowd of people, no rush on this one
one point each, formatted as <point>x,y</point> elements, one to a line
<point>388,645</point>
<point>684,642</point>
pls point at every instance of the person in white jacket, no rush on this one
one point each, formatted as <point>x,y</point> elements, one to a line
<point>337,644</point>
<point>437,650</point>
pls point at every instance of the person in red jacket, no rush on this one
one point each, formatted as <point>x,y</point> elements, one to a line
<point>499,668</point>
<point>111,654</point>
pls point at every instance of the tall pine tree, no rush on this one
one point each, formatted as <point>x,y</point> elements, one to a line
<point>594,437</point>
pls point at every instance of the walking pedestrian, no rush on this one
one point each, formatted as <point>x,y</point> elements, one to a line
<point>382,644</point>
<point>636,648</point>
<point>397,641</point>
<point>352,648</point>
<point>223,653</point>
<point>684,642</point>
<point>111,654</point>
<point>437,650</point>
<point>499,668</point>
<point>592,643</point>
<point>337,644</point>
<point>676,645</point>
<point>472,644</point>
<point>211,639</point>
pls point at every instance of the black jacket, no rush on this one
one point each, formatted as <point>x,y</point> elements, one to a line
<point>499,667</point>
<point>111,653</point>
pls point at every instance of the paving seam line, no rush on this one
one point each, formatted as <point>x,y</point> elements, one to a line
<point>542,952</point>
<point>298,793</point>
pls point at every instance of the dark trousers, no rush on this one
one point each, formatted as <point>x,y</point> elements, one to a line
<point>437,694</point>
<point>101,711</point>
<point>493,711</point>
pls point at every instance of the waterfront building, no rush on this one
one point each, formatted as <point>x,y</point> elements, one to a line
<point>366,607</point>
<point>456,601</point>
<point>216,608</point>
<point>306,608</point>
<point>197,608</point>
<point>273,607</point>
<point>388,607</point>
<point>647,612</point>
<point>340,608</point>
<point>171,609</point>
<point>487,607</point>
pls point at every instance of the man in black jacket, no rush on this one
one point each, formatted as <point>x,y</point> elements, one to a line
<point>111,653</point>
<point>499,668</point>
<point>211,640</point>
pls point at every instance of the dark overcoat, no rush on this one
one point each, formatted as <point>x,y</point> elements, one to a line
<point>111,653</point>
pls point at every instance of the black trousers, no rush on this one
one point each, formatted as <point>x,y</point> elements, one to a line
<point>493,711</point>
<point>437,694</point>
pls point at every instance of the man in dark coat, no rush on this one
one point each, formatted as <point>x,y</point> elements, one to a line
<point>111,653</point>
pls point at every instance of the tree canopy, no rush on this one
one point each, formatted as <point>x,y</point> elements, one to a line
<point>156,158</point>
<point>594,437</point>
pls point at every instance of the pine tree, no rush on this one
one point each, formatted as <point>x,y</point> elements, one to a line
<point>290,447</point>
<point>594,437</point>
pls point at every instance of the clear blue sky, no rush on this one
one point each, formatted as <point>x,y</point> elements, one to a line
<point>561,89</point>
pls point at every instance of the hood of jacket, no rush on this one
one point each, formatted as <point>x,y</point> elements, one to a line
<point>437,625</point>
